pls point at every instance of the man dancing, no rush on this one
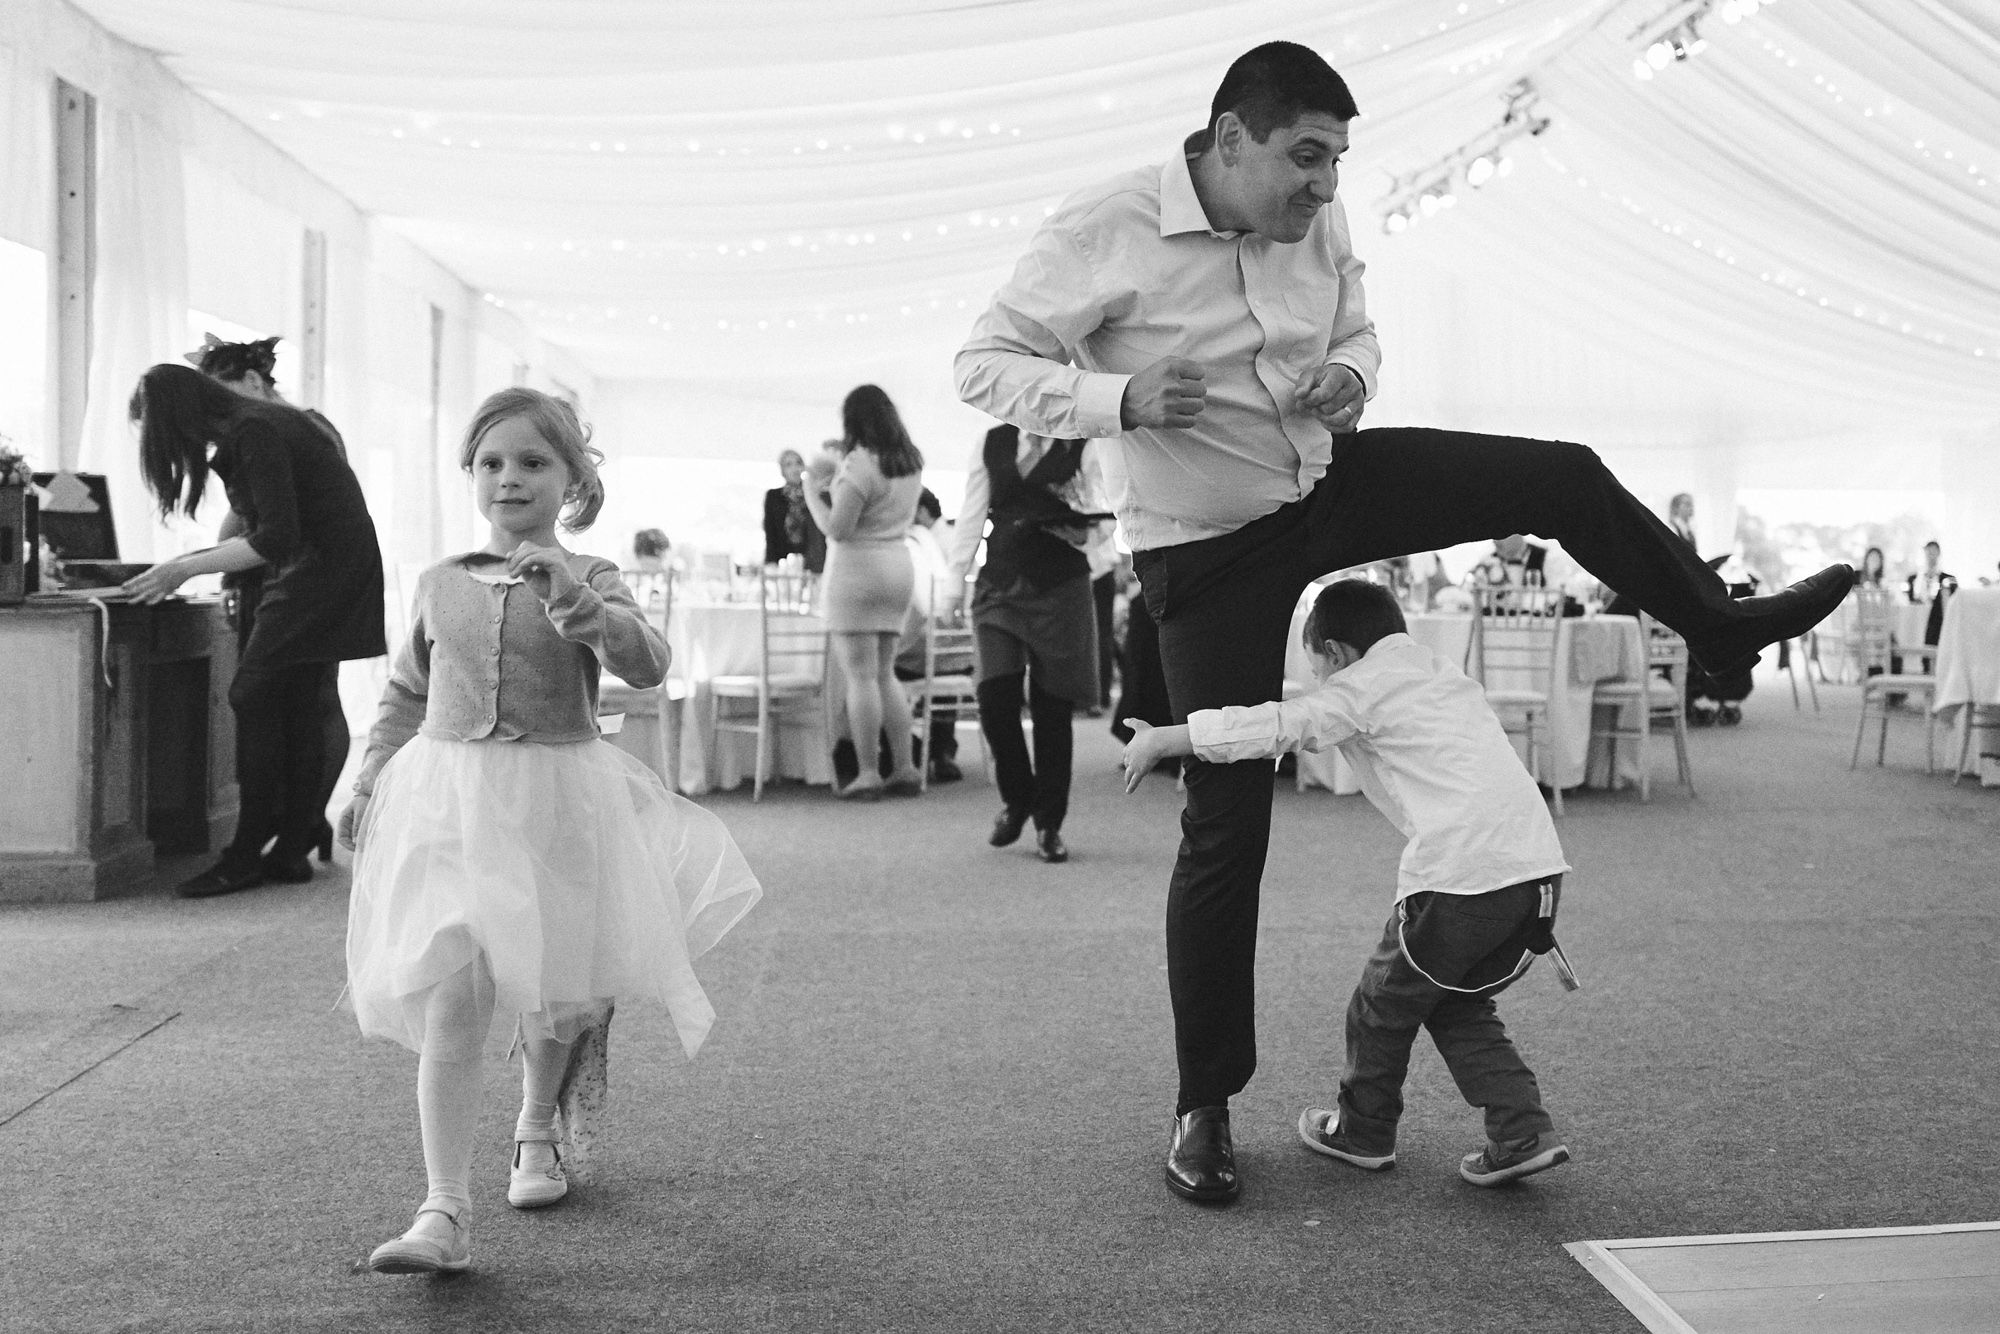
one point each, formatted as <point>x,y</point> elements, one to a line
<point>1206,317</point>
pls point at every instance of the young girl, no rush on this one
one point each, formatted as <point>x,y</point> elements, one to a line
<point>507,860</point>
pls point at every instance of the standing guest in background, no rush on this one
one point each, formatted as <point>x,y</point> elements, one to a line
<point>1680,515</point>
<point>1931,585</point>
<point>789,527</point>
<point>649,551</point>
<point>1033,615</point>
<point>929,592</point>
<point>247,369</point>
<point>865,513</point>
<point>1874,569</point>
<point>1207,315</point>
<point>322,602</point>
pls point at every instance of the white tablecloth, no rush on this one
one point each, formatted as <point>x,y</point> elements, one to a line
<point>711,639</point>
<point>1968,674</point>
<point>1589,649</point>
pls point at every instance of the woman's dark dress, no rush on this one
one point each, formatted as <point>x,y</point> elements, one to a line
<point>320,604</point>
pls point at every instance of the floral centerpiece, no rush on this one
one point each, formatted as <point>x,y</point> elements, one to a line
<point>14,467</point>
<point>15,478</point>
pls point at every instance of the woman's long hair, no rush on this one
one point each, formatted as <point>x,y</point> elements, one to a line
<point>870,420</point>
<point>180,412</point>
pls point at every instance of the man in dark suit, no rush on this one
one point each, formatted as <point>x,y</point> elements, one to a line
<point>1931,585</point>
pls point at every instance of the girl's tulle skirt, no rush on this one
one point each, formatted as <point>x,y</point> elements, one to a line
<point>568,871</point>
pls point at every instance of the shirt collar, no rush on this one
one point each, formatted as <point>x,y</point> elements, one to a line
<point>1180,207</point>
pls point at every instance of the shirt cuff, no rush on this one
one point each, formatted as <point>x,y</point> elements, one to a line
<point>1098,401</point>
<point>1367,389</point>
<point>1224,736</point>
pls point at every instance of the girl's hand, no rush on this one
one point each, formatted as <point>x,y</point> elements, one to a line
<point>350,820</point>
<point>544,569</point>
<point>156,584</point>
<point>1141,753</point>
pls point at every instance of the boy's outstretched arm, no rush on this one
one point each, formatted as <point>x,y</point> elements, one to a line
<point>1149,745</point>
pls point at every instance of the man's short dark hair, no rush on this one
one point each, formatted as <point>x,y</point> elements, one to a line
<point>1355,612</point>
<point>1274,84</point>
<point>928,503</point>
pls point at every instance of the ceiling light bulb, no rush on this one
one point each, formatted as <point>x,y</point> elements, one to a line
<point>1506,166</point>
<point>1659,55</point>
<point>1480,172</point>
<point>1428,204</point>
<point>1396,222</point>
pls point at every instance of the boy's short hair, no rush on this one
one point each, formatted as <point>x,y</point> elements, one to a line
<point>1355,612</point>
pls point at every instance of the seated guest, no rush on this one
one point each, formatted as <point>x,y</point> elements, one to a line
<point>789,528</point>
<point>1680,517</point>
<point>1931,585</point>
<point>649,551</point>
<point>1874,572</point>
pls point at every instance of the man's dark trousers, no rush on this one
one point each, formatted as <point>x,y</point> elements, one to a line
<point>1224,607</point>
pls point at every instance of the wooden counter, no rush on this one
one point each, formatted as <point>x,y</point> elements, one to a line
<point>97,774</point>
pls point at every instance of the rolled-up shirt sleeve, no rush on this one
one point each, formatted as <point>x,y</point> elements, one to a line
<point>1353,343</point>
<point>1313,723</point>
<point>1018,363</point>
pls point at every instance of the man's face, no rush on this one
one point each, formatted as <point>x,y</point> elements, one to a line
<point>1278,187</point>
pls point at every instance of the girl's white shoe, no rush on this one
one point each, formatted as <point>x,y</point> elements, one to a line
<point>537,1179</point>
<point>438,1242</point>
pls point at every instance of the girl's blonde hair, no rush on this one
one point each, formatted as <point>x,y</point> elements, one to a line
<point>557,423</point>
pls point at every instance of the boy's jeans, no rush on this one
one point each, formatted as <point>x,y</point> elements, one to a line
<point>1460,940</point>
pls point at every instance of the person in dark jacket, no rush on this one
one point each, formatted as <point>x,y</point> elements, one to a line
<point>788,525</point>
<point>308,525</point>
<point>248,369</point>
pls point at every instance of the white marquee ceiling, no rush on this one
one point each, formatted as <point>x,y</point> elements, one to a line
<point>777,191</point>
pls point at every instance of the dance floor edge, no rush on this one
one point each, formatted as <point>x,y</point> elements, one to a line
<point>1895,1280</point>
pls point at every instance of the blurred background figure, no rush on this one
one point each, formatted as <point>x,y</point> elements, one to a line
<point>789,527</point>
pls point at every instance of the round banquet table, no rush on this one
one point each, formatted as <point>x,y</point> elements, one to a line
<point>1968,675</point>
<point>711,639</point>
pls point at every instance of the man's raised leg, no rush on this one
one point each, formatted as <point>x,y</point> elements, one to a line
<point>1399,490</point>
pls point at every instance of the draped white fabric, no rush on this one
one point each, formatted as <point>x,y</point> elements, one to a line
<point>139,306</point>
<point>1789,242</point>
<point>27,206</point>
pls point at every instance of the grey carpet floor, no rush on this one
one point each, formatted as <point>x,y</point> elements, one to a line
<point>939,1092</point>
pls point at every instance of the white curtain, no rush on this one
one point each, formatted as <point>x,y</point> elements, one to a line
<point>27,170</point>
<point>139,313</point>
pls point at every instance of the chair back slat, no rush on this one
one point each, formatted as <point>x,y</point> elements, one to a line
<point>1514,637</point>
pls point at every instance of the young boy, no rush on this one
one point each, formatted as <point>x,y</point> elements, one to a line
<point>1477,891</point>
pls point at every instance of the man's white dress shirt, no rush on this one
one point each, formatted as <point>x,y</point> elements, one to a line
<point>1129,271</point>
<point>1429,752</point>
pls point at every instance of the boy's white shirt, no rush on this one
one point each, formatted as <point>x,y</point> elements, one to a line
<point>1430,754</point>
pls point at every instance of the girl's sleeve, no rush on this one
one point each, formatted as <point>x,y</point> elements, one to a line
<point>601,614</point>
<point>403,701</point>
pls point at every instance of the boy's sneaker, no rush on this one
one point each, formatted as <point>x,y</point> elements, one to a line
<point>1491,1168</point>
<point>1320,1131</point>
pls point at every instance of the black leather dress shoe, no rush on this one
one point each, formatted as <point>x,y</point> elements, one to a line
<point>945,770</point>
<point>1049,845</point>
<point>1201,1164</point>
<point>1766,620</point>
<point>288,870</point>
<point>220,878</point>
<point>1007,826</point>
